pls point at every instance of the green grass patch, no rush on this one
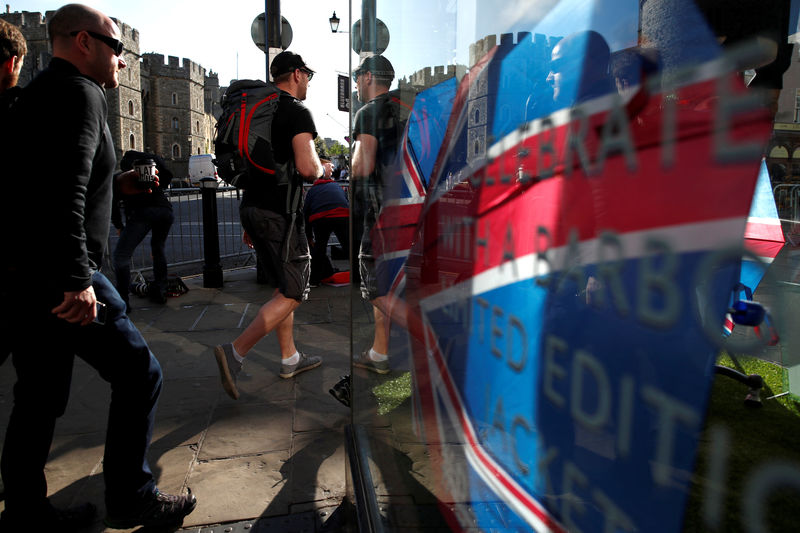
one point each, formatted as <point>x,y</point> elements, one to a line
<point>390,394</point>
<point>758,437</point>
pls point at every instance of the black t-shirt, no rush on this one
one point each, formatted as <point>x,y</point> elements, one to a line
<point>291,118</point>
<point>377,118</point>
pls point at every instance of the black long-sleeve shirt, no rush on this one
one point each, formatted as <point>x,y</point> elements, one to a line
<point>63,152</point>
<point>130,202</point>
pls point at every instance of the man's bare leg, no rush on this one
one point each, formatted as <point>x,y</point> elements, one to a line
<point>271,315</point>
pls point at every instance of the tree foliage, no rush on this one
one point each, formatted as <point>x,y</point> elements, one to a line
<point>336,148</point>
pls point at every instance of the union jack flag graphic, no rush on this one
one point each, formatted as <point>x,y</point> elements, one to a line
<point>565,273</point>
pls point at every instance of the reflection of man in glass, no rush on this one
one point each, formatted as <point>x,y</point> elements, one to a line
<point>377,131</point>
<point>579,70</point>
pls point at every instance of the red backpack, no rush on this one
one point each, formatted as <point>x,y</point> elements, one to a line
<point>243,138</point>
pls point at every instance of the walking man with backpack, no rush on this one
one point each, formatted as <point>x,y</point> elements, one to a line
<point>271,213</point>
<point>57,314</point>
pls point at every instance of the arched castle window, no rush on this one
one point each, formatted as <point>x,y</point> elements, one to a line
<point>130,107</point>
<point>174,123</point>
<point>197,126</point>
<point>198,151</point>
<point>176,151</point>
<point>133,142</point>
<point>174,98</point>
<point>779,152</point>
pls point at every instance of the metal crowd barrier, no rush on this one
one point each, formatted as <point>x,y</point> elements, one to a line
<point>184,247</point>
<point>787,199</point>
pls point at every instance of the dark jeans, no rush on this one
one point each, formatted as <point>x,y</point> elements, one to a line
<point>43,348</point>
<point>321,266</point>
<point>139,222</point>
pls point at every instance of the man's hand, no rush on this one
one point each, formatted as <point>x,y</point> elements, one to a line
<point>78,307</point>
<point>128,183</point>
<point>246,239</point>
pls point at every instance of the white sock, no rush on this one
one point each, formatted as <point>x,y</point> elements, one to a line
<point>293,360</point>
<point>377,356</point>
<point>236,355</point>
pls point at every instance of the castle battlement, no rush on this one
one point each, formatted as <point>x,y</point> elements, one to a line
<point>541,45</point>
<point>173,67</point>
<point>34,24</point>
<point>430,76</point>
<point>129,33</point>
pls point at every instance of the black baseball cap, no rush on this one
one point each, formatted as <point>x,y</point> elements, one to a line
<point>287,62</point>
<point>380,67</point>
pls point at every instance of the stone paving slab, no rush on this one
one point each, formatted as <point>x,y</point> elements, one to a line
<point>248,429</point>
<point>178,431</point>
<point>73,461</point>
<point>315,466</point>
<point>277,450</point>
<point>259,380</point>
<point>238,488</point>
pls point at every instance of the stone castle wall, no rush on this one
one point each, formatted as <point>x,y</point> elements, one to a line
<point>176,103</point>
<point>34,28</point>
<point>142,109</point>
<point>125,111</point>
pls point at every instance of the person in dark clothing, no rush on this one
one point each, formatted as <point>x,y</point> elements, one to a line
<point>272,216</point>
<point>378,129</point>
<point>56,314</point>
<point>326,211</point>
<point>750,21</point>
<point>12,54</point>
<point>145,211</point>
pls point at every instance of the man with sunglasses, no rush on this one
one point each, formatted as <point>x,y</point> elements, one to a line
<point>271,213</point>
<point>55,241</point>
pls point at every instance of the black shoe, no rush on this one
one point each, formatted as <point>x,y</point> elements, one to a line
<point>68,520</point>
<point>341,391</point>
<point>160,511</point>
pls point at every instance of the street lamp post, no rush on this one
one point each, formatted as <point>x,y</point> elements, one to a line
<point>334,21</point>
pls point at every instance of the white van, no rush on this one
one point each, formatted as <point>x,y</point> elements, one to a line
<point>202,166</point>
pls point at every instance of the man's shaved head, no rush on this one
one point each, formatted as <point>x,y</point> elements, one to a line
<point>73,17</point>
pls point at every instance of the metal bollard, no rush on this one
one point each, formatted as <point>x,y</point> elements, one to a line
<point>212,270</point>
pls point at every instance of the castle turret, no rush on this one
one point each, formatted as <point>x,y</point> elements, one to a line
<point>175,99</point>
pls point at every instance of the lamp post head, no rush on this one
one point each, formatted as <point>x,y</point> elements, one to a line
<point>334,20</point>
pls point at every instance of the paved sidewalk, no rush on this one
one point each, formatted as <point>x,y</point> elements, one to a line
<point>276,452</point>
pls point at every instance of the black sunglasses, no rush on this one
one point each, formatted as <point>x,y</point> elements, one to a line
<point>309,73</point>
<point>114,44</point>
